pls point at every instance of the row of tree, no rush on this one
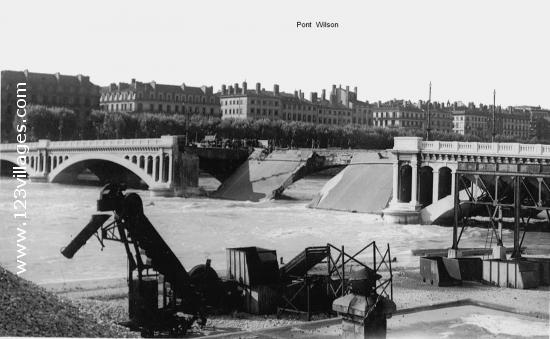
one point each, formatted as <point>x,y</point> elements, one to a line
<point>63,124</point>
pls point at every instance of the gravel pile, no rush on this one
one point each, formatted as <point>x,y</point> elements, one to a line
<point>28,310</point>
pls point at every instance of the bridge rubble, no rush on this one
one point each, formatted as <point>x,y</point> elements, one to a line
<point>263,177</point>
<point>441,212</point>
<point>365,185</point>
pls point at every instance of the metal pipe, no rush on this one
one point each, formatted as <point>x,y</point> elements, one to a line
<point>517,209</point>
<point>87,232</point>
<point>456,207</point>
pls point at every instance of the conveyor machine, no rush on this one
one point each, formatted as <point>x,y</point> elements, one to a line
<point>152,267</point>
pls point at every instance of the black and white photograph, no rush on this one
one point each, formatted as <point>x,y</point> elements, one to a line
<point>275,169</point>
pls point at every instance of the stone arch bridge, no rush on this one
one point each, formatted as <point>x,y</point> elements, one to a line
<point>141,162</point>
<point>165,165</point>
<point>428,174</point>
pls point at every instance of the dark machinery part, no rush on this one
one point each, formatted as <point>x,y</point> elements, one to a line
<point>182,292</point>
<point>87,232</point>
<point>368,303</point>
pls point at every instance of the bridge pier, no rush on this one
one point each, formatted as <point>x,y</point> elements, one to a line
<point>404,207</point>
<point>175,172</point>
<point>159,163</point>
<point>42,170</point>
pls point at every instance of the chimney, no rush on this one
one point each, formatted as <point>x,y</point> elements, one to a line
<point>236,88</point>
<point>313,97</point>
<point>258,87</point>
<point>347,89</point>
<point>276,89</point>
<point>231,89</point>
<point>244,87</point>
<point>301,95</point>
<point>355,90</point>
<point>133,81</point>
<point>224,90</point>
<point>333,88</point>
<point>324,95</point>
<point>295,94</point>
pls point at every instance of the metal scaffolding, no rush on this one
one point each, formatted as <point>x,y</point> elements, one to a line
<point>516,190</point>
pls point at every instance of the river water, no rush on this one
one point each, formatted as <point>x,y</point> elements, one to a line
<point>201,228</point>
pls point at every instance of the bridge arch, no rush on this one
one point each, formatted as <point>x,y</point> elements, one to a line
<point>6,164</point>
<point>425,186</point>
<point>85,160</point>
<point>8,161</point>
<point>445,182</point>
<point>405,183</point>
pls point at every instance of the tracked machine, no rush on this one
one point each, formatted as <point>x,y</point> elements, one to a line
<point>163,296</point>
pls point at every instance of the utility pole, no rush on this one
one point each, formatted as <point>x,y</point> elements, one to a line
<point>428,127</point>
<point>187,127</point>
<point>494,116</point>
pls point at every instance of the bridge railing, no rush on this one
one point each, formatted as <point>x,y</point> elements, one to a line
<point>487,148</point>
<point>12,146</point>
<point>164,141</point>
<point>107,143</point>
<point>416,144</point>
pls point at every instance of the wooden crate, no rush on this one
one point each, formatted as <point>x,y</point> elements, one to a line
<point>252,266</point>
<point>511,273</point>
<point>262,299</point>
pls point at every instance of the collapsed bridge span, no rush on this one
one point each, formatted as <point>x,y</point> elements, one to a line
<point>265,176</point>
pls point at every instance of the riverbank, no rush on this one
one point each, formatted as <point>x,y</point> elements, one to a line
<point>107,301</point>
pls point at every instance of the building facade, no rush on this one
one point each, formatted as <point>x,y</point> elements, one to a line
<point>470,120</point>
<point>513,123</point>
<point>412,116</point>
<point>539,121</point>
<point>478,121</point>
<point>158,98</point>
<point>75,92</point>
<point>340,108</point>
<point>398,114</point>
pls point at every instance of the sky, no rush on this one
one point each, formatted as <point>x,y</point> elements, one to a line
<point>388,49</point>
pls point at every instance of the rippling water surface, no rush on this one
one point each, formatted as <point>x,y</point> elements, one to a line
<point>201,228</point>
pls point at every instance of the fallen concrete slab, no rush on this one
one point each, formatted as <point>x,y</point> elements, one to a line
<point>442,211</point>
<point>365,185</point>
<point>263,177</point>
